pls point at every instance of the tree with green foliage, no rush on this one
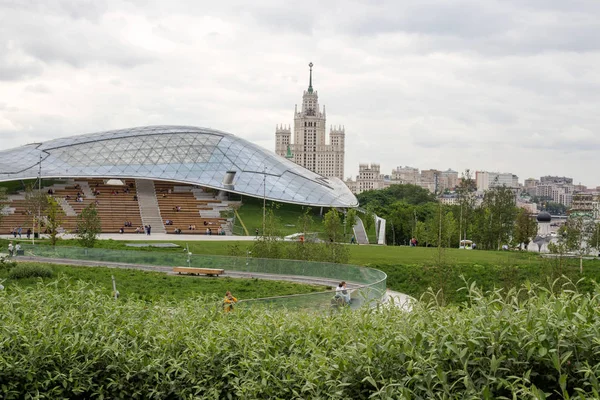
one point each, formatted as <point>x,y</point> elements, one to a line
<point>495,218</point>
<point>369,217</point>
<point>88,226</point>
<point>305,248</point>
<point>466,197</point>
<point>422,233</point>
<point>334,231</point>
<point>54,216</point>
<point>576,234</point>
<point>525,228</point>
<point>594,239</point>
<point>270,243</point>
<point>350,220</point>
<point>410,194</point>
<point>35,203</point>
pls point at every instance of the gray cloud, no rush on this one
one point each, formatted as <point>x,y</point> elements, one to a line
<point>497,85</point>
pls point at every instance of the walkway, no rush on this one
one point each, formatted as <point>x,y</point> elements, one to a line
<point>397,299</point>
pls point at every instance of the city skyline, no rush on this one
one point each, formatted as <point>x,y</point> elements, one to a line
<point>495,86</point>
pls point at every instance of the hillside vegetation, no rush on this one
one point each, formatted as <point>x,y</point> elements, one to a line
<point>531,343</point>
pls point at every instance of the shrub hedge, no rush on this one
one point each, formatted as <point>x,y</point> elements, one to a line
<point>30,270</point>
<point>529,343</point>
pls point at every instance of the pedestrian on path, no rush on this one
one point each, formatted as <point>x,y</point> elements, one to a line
<point>228,302</point>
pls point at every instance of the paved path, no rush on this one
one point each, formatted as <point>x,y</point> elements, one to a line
<point>391,297</point>
<point>153,237</point>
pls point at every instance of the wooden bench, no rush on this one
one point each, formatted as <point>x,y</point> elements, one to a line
<point>198,271</point>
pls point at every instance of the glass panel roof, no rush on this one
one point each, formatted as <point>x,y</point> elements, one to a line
<point>199,156</point>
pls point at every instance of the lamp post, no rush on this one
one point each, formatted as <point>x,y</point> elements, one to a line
<point>264,198</point>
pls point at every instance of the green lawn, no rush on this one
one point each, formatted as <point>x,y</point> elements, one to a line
<point>251,213</point>
<point>412,270</point>
<point>153,285</point>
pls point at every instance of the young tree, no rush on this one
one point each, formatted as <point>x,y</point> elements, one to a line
<point>269,245</point>
<point>576,233</point>
<point>525,228</point>
<point>496,218</point>
<point>35,203</point>
<point>88,226</point>
<point>369,218</point>
<point>350,219</point>
<point>334,231</point>
<point>54,214</point>
<point>594,239</point>
<point>466,198</point>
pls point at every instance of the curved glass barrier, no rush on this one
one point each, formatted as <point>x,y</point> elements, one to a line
<point>366,285</point>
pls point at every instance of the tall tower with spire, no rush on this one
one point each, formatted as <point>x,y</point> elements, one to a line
<point>309,147</point>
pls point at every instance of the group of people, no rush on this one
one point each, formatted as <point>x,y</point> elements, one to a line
<point>177,208</point>
<point>342,294</point>
<point>18,231</point>
<point>13,250</point>
<point>414,242</point>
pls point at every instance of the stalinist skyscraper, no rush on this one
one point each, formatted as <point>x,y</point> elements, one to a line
<point>310,148</point>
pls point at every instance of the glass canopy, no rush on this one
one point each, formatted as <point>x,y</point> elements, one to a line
<point>183,154</point>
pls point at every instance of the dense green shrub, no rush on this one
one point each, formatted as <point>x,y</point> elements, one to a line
<point>30,270</point>
<point>83,344</point>
<point>6,264</point>
<point>415,279</point>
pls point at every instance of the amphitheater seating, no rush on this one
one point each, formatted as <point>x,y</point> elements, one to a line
<point>189,210</point>
<point>20,218</point>
<point>113,209</point>
<point>115,206</point>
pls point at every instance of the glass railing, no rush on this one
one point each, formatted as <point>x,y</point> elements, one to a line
<point>367,285</point>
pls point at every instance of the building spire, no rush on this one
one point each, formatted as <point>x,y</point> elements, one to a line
<point>310,88</point>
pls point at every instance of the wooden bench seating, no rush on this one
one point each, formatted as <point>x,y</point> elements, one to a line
<point>198,271</point>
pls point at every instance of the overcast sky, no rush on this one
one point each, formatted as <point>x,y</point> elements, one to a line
<point>509,86</point>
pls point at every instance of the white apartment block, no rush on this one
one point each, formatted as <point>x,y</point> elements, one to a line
<point>309,147</point>
<point>369,178</point>
<point>406,174</point>
<point>486,180</point>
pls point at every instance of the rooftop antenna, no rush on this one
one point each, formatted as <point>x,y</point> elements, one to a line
<point>310,88</point>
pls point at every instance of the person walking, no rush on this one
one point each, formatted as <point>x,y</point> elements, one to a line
<point>149,229</point>
<point>19,232</point>
<point>228,302</point>
<point>10,249</point>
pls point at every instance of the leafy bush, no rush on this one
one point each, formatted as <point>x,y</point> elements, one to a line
<point>22,271</point>
<point>526,343</point>
<point>6,264</point>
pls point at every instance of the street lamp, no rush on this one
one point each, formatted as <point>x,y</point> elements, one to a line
<point>264,198</point>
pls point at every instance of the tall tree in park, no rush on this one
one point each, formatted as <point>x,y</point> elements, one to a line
<point>576,234</point>
<point>334,231</point>
<point>35,203</point>
<point>496,218</point>
<point>369,217</point>
<point>441,228</point>
<point>466,198</point>
<point>54,215</point>
<point>350,221</point>
<point>525,228</point>
<point>88,226</point>
<point>594,240</point>
<point>269,244</point>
